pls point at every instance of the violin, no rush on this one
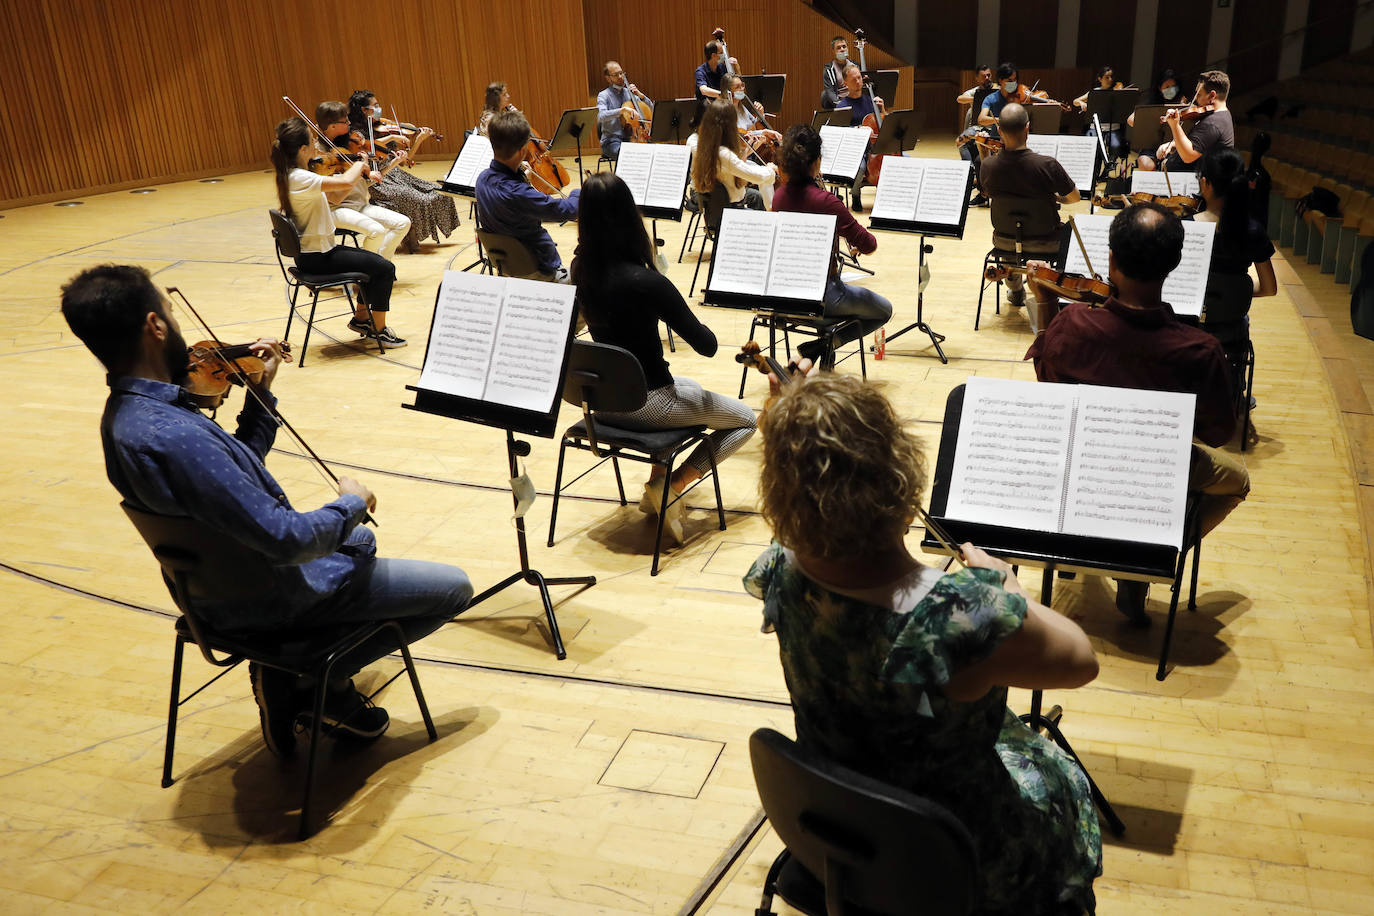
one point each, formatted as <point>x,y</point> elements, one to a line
<point>751,354</point>
<point>215,367</point>
<point>538,163</point>
<point>1023,96</point>
<point>392,127</point>
<point>1180,205</point>
<point>1073,287</point>
<point>1190,113</point>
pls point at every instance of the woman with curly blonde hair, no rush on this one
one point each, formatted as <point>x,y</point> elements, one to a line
<point>900,671</point>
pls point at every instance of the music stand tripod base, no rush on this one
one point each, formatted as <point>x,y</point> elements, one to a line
<point>936,338</point>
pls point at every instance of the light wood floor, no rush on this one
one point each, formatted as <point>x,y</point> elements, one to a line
<point>618,781</point>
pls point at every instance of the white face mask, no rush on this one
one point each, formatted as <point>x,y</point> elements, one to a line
<point>739,94</point>
<point>841,56</point>
<point>1171,93</point>
<point>1009,86</point>
<point>376,111</point>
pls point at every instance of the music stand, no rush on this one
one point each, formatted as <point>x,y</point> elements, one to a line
<point>766,88</point>
<point>1148,132</point>
<point>572,127</point>
<point>673,120</point>
<point>513,420</point>
<point>834,117</point>
<point>898,133</point>
<point>884,84</point>
<point>472,158</point>
<point>1045,117</point>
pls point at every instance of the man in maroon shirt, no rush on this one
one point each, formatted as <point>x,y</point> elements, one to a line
<point>801,161</point>
<point>1134,340</point>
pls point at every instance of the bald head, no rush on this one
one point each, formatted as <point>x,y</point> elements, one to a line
<point>1014,118</point>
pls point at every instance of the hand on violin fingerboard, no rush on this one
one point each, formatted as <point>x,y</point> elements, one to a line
<point>269,350</point>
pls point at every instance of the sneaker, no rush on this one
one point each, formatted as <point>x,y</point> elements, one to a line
<point>672,518</point>
<point>362,326</point>
<point>979,200</point>
<point>1253,402</point>
<point>279,704</point>
<point>1016,298</point>
<point>652,499</point>
<point>856,203</point>
<point>389,339</point>
<point>1130,600</point>
<point>350,714</point>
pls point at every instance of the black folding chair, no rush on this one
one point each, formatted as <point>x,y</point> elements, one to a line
<point>1023,229</point>
<point>712,211</point>
<point>1226,316</point>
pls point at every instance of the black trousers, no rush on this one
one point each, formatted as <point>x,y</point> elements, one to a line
<point>341,259</point>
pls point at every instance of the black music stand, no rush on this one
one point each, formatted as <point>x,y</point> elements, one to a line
<point>884,84</point>
<point>1148,132</point>
<point>575,124</point>
<point>512,420</point>
<point>1045,117</point>
<point>766,88</point>
<point>468,191</point>
<point>673,121</point>
<point>1112,106</point>
<point>834,117</point>
<point>924,230</point>
<point>898,133</point>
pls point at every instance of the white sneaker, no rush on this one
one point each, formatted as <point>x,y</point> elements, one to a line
<point>672,518</point>
<point>653,496</point>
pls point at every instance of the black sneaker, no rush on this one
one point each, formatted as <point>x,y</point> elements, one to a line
<point>979,200</point>
<point>856,203</point>
<point>1130,600</point>
<point>279,703</point>
<point>813,350</point>
<point>389,339</point>
<point>348,713</point>
<point>362,326</point>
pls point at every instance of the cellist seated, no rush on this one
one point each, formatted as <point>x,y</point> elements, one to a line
<point>862,113</point>
<point>616,110</point>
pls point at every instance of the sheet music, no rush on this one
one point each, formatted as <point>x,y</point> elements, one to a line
<point>763,253</point>
<point>475,156</point>
<point>944,190</point>
<point>899,188</point>
<point>842,149</point>
<point>1183,183</point>
<point>1184,289</point>
<point>499,340</point>
<point>1078,155</point>
<point>1011,454</point>
<point>633,167</point>
<point>1074,459</point>
<point>668,178</point>
<point>1129,468</point>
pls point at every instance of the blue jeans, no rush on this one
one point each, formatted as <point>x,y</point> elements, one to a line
<point>845,301</point>
<point>610,147</point>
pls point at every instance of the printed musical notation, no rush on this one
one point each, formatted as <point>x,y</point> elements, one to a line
<point>1184,289</point>
<point>922,190</point>
<point>842,150</point>
<point>656,173</point>
<point>475,156</point>
<point>761,253</point>
<point>499,340</point>
<point>1073,459</point>
<point>1078,155</point>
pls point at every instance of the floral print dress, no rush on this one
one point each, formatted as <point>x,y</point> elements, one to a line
<point>866,691</point>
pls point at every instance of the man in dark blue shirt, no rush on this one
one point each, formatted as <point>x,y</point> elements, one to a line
<point>167,458</point>
<point>510,205</point>
<point>710,73</point>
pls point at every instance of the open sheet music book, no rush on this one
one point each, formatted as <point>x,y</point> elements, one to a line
<point>1078,156</point>
<point>1073,459</point>
<point>1184,289</point>
<point>766,254</point>
<point>929,192</point>
<point>656,174</point>
<point>842,151</point>
<point>472,159</point>
<point>1183,183</point>
<point>499,340</point>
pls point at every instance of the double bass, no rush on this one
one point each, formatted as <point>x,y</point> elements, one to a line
<point>764,149</point>
<point>874,121</point>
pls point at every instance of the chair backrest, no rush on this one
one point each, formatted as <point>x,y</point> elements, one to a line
<point>511,257</point>
<point>891,852</point>
<point>1025,217</point>
<point>1227,298</point>
<point>287,235</point>
<point>713,207</point>
<point>604,377</point>
<point>199,563</point>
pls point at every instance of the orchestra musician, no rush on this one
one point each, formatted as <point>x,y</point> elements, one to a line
<point>985,124</point>
<point>974,95</point>
<point>623,298</point>
<point>304,197</point>
<point>860,107</point>
<point>834,92</point>
<point>1211,127</point>
<point>801,162</point>
<point>1116,133</point>
<point>1241,241</point>
<point>748,120</point>
<point>432,213</point>
<point>1018,171</point>
<point>720,157</point>
<point>380,229</point>
<point>1134,340</point>
<point>164,456</point>
<point>508,204</point>
<point>899,670</point>
<point>497,99</point>
<point>1164,92</point>
<point>611,113</point>
<point>711,72</point>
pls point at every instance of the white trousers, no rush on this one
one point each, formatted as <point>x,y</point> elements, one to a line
<point>381,229</point>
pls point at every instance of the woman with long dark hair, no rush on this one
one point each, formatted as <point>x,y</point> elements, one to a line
<point>1241,241</point>
<point>623,299</point>
<point>304,197</point>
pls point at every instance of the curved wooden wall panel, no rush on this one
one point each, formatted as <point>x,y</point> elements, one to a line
<point>126,92</point>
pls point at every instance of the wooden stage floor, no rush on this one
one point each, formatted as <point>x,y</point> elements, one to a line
<point>618,781</point>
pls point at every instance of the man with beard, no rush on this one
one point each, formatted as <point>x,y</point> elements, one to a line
<point>167,458</point>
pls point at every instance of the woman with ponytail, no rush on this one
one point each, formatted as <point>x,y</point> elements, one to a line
<point>305,198</point>
<point>1241,242</point>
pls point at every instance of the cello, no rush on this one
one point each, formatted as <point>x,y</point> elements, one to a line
<point>637,112</point>
<point>874,121</point>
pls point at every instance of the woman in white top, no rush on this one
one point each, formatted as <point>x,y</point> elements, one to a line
<point>305,198</point>
<point>720,157</point>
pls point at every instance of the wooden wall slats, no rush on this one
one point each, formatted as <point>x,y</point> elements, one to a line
<point>1105,31</point>
<point>125,92</point>
<point>1181,39</point>
<point>1026,36</point>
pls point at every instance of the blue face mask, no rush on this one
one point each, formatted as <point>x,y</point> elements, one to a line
<point>1009,87</point>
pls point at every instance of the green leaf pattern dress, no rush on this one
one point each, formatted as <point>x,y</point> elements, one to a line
<point>866,691</point>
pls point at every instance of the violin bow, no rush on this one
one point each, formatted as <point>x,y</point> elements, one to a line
<point>1083,248</point>
<point>942,536</point>
<point>271,410</point>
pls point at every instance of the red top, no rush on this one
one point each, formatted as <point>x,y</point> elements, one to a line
<point>808,197</point>
<point>1116,344</point>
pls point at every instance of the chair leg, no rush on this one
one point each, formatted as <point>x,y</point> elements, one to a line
<point>291,312</point>
<point>715,479</point>
<point>317,714</point>
<point>557,488</point>
<point>708,238</point>
<point>863,367</point>
<point>662,511</point>
<point>414,681</point>
<point>309,323</point>
<point>770,884</point>
<point>689,236</point>
<point>173,707</point>
<point>1197,562</point>
<point>619,482</point>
